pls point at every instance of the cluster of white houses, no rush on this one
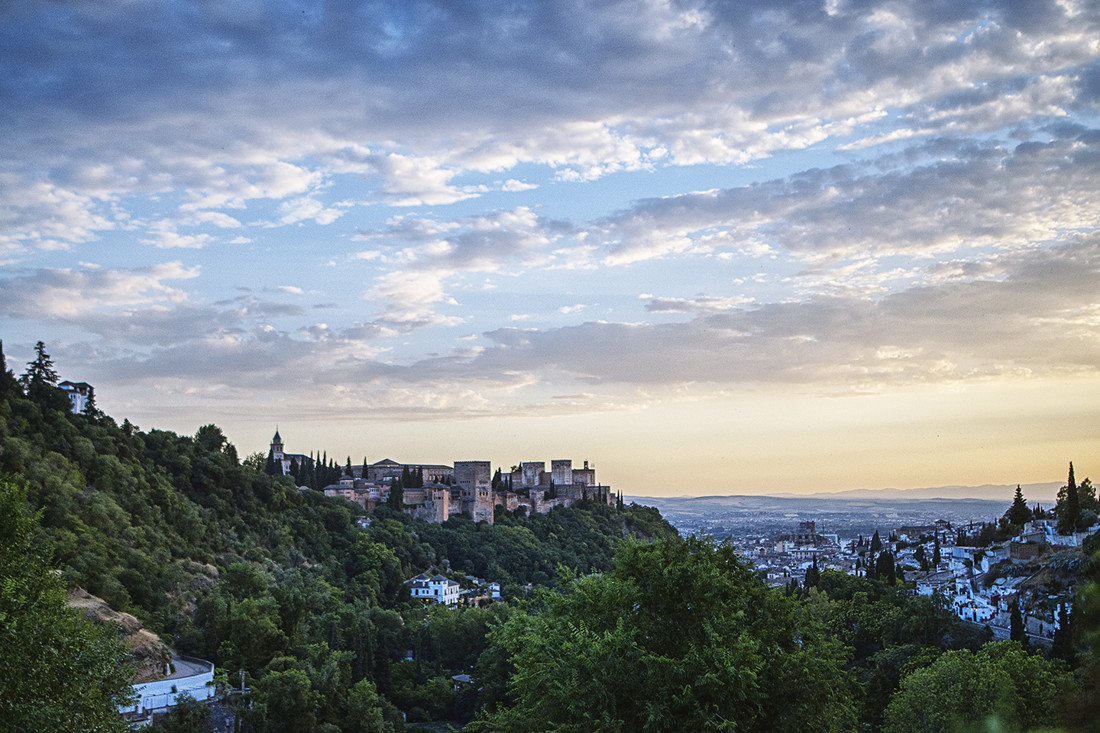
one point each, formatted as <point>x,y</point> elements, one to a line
<point>466,487</point>
<point>980,584</point>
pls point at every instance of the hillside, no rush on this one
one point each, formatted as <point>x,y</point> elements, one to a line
<point>150,653</point>
<point>229,564</point>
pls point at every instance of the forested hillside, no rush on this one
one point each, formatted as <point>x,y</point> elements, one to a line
<point>233,565</point>
<point>611,622</point>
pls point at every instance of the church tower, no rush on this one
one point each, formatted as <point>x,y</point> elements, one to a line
<point>277,446</point>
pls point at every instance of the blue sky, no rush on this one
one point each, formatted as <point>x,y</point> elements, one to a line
<point>776,245</point>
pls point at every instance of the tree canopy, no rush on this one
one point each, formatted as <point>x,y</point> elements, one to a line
<point>57,670</point>
<point>681,635</point>
<point>1000,685</point>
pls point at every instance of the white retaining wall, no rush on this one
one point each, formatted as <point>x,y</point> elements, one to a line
<point>163,693</point>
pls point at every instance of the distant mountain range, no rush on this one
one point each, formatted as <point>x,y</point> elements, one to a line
<point>1043,493</point>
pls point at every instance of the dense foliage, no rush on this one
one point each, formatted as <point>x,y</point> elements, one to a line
<point>681,635</point>
<point>57,671</point>
<point>1000,685</point>
<point>230,563</point>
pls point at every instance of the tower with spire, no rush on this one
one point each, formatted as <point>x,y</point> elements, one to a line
<point>277,446</point>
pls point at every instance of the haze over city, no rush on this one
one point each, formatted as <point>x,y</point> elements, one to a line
<point>757,247</point>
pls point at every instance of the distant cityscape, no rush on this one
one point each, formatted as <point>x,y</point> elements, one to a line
<point>932,544</point>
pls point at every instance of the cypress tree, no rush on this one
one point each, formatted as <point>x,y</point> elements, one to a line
<point>876,543</point>
<point>1069,507</point>
<point>1018,513</point>
<point>936,551</point>
<point>1017,632</point>
<point>884,568</point>
<point>396,499</point>
<point>813,575</point>
<point>91,411</point>
<point>6,378</point>
<point>1061,647</point>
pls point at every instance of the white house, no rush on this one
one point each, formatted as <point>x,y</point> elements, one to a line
<point>78,393</point>
<point>436,589</point>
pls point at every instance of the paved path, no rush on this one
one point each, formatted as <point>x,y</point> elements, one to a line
<point>186,669</point>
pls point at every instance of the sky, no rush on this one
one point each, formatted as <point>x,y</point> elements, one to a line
<point>710,247</point>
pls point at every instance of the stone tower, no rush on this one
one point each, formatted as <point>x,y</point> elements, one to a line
<point>277,447</point>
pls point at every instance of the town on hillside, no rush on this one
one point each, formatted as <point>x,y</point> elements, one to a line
<point>436,492</point>
<point>980,580</point>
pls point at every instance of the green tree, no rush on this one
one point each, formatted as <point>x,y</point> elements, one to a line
<point>876,544</point>
<point>211,438</point>
<point>1000,685</point>
<point>681,635</point>
<point>1017,631</point>
<point>1069,505</point>
<point>813,575</point>
<point>396,497</point>
<point>91,411</point>
<point>1018,513</point>
<point>1061,647</point>
<point>271,466</point>
<point>285,702</point>
<point>57,670</point>
<point>8,382</point>
<point>40,375</point>
<point>885,568</point>
<point>1086,497</point>
<point>365,709</point>
<point>188,715</point>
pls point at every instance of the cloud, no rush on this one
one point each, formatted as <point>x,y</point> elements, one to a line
<point>964,195</point>
<point>700,304</point>
<point>305,209</point>
<point>942,231</point>
<point>415,99</point>
<point>1035,319</point>
<point>67,293</point>
<point>409,298</point>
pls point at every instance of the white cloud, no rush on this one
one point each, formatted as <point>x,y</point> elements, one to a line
<point>67,293</point>
<point>305,208</point>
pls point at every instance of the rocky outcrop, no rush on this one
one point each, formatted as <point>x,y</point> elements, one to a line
<point>150,652</point>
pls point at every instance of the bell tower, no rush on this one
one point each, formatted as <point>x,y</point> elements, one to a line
<point>277,446</point>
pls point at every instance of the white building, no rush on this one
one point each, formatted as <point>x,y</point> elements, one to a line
<point>436,589</point>
<point>78,393</point>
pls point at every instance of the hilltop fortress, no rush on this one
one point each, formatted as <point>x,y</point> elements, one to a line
<point>467,487</point>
